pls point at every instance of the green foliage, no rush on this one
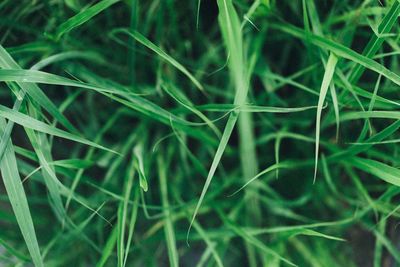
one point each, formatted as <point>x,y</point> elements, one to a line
<point>204,133</point>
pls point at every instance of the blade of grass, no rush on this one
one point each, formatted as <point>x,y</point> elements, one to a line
<point>36,76</point>
<point>336,108</point>
<point>376,41</point>
<point>251,108</point>
<point>232,36</point>
<point>122,215</point>
<point>41,147</point>
<point>138,162</point>
<point>108,248</point>
<point>34,124</point>
<point>132,223</point>
<point>13,251</point>
<point>18,200</point>
<point>7,62</point>
<point>326,81</point>
<point>184,101</point>
<point>254,241</point>
<point>378,114</point>
<point>386,173</point>
<point>168,227</point>
<point>146,42</point>
<point>41,64</point>
<point>83,17</point>
<point>342,51</point>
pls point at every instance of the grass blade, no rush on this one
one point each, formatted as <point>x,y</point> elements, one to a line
<point>232,35</point>
<point>83,17</point>
<point>18,200</point>
<point>376,41</point>
<point>7,62</point>
<point>254,241</point>
<point>34,124</point>
<point>138,154</point>
<point>379,169</point>
<point>168,228</point>
<point>344,52</point>
<point>108,248</point>
<point>146,42</point>
<point>326,81</point>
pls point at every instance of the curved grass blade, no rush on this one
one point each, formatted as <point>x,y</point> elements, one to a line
<point>326,81</point>
<point>36,76</point>
<point>135,102</point>
<point>13,251</point>
<point>251,239</point>
<point>281,165</point>
<point>83,17</point>
<point>204,235</point>
<point>342,51</point>
<point>147,108</point>
<point>377,98</point>
<point>184,101</point>
<point>385,172</point>
<point>41,64</point>
<point>94,57</point>
<point>146,42</point>
<point>34,124</point>
<point>7,62</point>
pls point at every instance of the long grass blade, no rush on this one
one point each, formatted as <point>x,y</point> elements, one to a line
<point>83,17</point>
<point>146,42</point>
<point>326,81</point>
<point>232,35</point>
<point>18,200</point>
<point>37,125</point>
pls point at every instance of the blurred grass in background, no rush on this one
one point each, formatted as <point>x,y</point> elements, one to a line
<point>199,133</point>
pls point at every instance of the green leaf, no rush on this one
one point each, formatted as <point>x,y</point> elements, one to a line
<point>251,239</point>
<point>7,62</point>
<point>138,154</point>
<point>343,51</point>
<point>18,200</point>
<point>34,124</point>
<point>376,41</point>
<point>168,227</point>
<point>326,81</point>
<point>232,36</point>
<point>83,17</point>
<point>146,42</point>
<point>386,173</point>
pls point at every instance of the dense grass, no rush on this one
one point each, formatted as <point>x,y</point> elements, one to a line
<point>199,133</point>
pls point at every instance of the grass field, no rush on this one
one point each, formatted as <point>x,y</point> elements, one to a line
<point>199,133</point>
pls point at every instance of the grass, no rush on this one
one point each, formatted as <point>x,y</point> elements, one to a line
<point>214,133</point>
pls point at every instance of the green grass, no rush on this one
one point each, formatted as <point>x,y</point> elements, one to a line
<point>206,133</point>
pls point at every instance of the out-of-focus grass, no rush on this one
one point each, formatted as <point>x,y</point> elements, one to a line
<point>206,133</point>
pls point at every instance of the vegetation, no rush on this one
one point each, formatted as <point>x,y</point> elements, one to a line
<point>199,133</point>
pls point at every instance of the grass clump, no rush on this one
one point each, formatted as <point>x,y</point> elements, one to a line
<point>215,133</point>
